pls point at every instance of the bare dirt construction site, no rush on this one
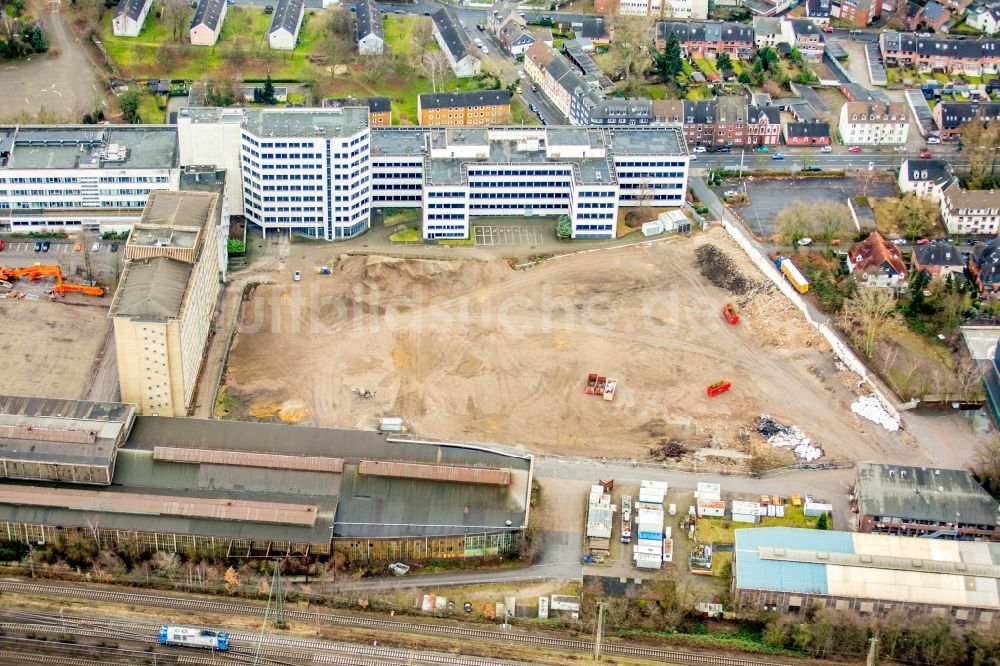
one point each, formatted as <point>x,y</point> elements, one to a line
<point>476,351</point>
<point>50,348</point>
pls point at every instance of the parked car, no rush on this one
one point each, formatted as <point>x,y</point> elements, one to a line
<point>926,154</point>
<point>38,246</point>
<point>855,149</point>
<point>805,242</point>
<point>777,156</point>
<point>45,246</point>
<point>826,149</point>
<point>933,139</point>
<point>297,276</point>
<point>699,149</point>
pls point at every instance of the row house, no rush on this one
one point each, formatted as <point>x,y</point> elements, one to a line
<point>969,211</point>
<point>807,134</point>
<point>859,13</point>
<point>927,53</point>
<point>950,116</point>
<point>804,35</point>
<point>707,40</point>
<point>874,123</point>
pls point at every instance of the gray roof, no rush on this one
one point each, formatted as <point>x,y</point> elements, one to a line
<point>152,288</point>
<point>932,494</point>
<point>452,33</point>
<point>286,15</point>
<point>209,14</point>
<point>71,147</point>
<point>459,100</point>
<point>306,122</point>
<point>938,254</point>
<point>131,8</point>
<point>57,430</point>
<point>369,19</point>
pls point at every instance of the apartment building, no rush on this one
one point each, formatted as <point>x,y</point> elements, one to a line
<point>969,211</point>
<point>950,116</point>
<point>93,178</point>
<point>925,178</point>
<point>874,123</point>
<point>165,302</point>
<point>859,13</point>
<point>379,108</point>
<point>485,107</point>
<point>680,9</point>
<point>927,53</point>
<point>707,39</point>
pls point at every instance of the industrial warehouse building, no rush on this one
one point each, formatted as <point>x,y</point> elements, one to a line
<point>165,302</point>
<point>924,501</point>
<point>791,570</point>
<point>251,489</point>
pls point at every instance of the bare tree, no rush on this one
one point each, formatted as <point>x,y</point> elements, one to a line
<point>435,65</point>
<point>177,14</point>
<point>870,309</point>
<point>634,37</point>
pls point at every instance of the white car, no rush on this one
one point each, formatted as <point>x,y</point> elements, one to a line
<point>699,149</point>
<point>805,241</point>
<point>297,276</point>
<point>933,139</point>
<point>826,149</point>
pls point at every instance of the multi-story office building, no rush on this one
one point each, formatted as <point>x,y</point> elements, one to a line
<point>302,170</point>
<point>332,169</point>
<point>165,302</point>
<point>69,178</point>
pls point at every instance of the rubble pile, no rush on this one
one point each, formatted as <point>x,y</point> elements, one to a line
<point>718,268</point>
<point>871,408</point>
<point>781,436</point>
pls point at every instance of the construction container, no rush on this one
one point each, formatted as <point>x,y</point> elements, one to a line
<point>652,228</point>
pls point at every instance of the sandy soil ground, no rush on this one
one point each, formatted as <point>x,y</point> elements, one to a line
<point>50,347</point>
<point>476,351</point>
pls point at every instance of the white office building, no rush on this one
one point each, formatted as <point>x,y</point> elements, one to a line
<point>319,172</point>
<point>92,178</point>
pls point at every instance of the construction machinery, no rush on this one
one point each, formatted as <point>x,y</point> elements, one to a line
<point>38,272</point>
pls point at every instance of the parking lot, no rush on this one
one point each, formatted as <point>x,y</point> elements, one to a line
<point>512,236</point>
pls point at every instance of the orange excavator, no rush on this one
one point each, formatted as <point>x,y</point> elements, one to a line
<point>39,272</point>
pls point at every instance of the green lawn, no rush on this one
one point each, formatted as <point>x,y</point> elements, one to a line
<point>721,530</point>
<point>244,32</point>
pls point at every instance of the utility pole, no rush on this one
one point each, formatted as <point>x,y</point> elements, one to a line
<point>279,597</point>
<point>872,651</point>
<point>599,634</point>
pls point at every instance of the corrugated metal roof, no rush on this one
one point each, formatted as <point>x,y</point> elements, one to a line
<point>243,459</point>
<point>496,477</point>
<point>155,505</point>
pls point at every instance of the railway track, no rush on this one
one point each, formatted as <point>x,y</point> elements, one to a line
<point>675,656</point>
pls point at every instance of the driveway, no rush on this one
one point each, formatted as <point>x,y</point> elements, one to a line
<point>64,85</point>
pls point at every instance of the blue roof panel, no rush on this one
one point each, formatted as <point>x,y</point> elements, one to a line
<point>754,573</point>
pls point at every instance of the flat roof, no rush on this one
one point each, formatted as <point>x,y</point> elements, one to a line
<point>325,123</point>
<point>71,432</point>
<point>96,147</point>
<point>924,493</point>
<point>868,566</point>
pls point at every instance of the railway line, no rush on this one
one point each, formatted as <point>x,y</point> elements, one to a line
<point>381,655</point>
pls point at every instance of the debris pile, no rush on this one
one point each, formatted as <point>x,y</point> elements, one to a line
<point>718,268</point>
<point>781,436</point>
<point>871,408</point>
